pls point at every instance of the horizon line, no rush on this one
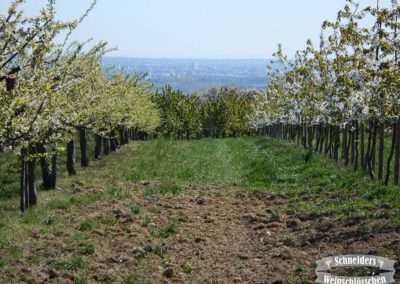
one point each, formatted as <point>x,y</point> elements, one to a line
<point>186,58</point>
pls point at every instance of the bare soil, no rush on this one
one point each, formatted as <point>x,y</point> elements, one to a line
<point>202,235</point>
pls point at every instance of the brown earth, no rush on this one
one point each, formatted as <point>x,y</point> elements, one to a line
<point>202,235</point>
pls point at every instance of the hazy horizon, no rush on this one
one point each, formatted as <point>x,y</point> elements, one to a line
<point>191,74</point>
<point>189,58</point>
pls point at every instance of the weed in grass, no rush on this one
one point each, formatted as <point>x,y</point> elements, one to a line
<point>146,221</point>
<point>275,216</point>
<point>87,225</point>
<point>131,280</point>
<point>49,220</point>
<point>4,242</point>
<point>166,231</point>
<point>303,276</point>
<point>108,220</point>
<point>117,193</point>
<point>73,264</point>
<point>61,204</point>
<point>86,199</point>
<point>187,268</point>
<point>14,252</point>
<point>80,236</point>
<point>135,209</point>
<point>31,217</point>
<point>81,280</point>
<point>159,250</point>
<point>164,188</point>
<point>87,249</point>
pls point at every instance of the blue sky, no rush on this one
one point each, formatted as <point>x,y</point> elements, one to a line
<point>198,28</point>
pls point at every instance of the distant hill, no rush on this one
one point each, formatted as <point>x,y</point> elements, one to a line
<point>191,75</point>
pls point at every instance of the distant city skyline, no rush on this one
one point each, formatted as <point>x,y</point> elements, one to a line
<point>208,29</point>
<point>191,75</point>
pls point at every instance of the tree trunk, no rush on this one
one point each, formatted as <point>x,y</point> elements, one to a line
<point>346,145</point>
<point>84,147</point>
<point>397,154</point>
<point>45,167</point>
<point>106,146</point>
<point>371,152</point>
<point>390,158</point>
<point>71,158</point>
<point>356,145</point>
<point>368,166</point>
<point>27,181</point>
<point>362,154</point>
<point>49,169</point>
<point>381,150</point>
<point>337,143</point>
<point>97,149</point>
<point>53,175</point>
<point>24,201</point>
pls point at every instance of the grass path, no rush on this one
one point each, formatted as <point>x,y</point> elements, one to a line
<point>195,207</point>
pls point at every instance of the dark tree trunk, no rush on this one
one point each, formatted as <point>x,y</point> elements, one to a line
<point>24,201</point>
<point>54,170</point>
<point>49,169</point>
<point>126,134</point>
<point>371,151</point>
<point>71,158</point>
<point>32,182</point>
<point>381,150</point>
<point>362,154</point>
<point>322,139</point>
<point>356,145</point>
<point>97,149</point>
<point>390,158</point>
<point>45,167</point>
<point>106,146</point>
<point>346,140</point>
<point>397,154</point>
<point>27,181</point>
<point>337,143</point>
<point>353,143</point>
<point>121,136</point>
<point>84,147</point>
<point>113,145</point>
<point>368,165</point>
<point>326,144</point>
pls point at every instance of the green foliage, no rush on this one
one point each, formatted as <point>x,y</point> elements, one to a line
<point>9,181</point>
<point>217,113</point>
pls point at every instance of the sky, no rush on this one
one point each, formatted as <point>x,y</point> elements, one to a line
<point>235,29</point>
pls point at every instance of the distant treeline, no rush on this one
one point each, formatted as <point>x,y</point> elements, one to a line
<point>223,112</point>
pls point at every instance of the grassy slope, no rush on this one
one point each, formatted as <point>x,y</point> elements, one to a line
<point>253,164</point>
<point>263,164</point>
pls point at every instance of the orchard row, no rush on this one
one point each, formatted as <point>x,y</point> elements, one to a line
<point>342,97</point>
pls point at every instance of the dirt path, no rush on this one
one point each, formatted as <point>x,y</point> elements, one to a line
<point>202,235</point>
